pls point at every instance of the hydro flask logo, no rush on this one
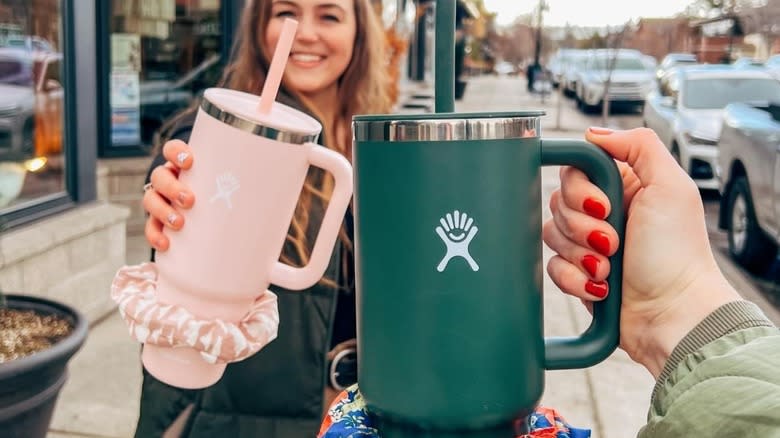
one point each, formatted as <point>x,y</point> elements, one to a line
<point>226,184</point>
<point>457,230</point>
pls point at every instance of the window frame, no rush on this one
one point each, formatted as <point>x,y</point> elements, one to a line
<point>229,18</point>
<point>79,127</point>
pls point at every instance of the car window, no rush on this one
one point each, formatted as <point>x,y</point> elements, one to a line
<point>604,63</point>
<point>717,93</point>
<point>9,68</point>
<point>15,71</point>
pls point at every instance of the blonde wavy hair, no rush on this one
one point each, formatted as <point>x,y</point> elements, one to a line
<point>363,89</point>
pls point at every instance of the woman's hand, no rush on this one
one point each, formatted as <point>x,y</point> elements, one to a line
<point>165,192</point>
<point>670,278</point>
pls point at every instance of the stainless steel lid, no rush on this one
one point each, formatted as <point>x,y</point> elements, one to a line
<point>448,127</point>
<point>238,119</point>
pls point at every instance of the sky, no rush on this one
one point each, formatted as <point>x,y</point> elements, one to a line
<point>586,12</point>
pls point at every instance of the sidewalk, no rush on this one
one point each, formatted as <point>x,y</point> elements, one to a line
<point>101,396</point>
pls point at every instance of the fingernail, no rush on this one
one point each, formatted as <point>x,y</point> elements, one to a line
<point>181,157</point>
<point>598,290</point>
<point>181,198</point>
<point>591,264</point>
<point>594,208</point>
<point>172,217</point>
<point>600,131</point>
<point>599,241</point>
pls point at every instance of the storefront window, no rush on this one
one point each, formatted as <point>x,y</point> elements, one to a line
<point>164,53</point>
<point>32,162</point>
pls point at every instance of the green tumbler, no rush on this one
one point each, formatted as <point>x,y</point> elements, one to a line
<point>448,223</point>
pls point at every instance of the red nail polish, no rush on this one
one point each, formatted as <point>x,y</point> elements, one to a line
<point>599,241</point>
<point>598,290</point>
<point>594,208</point>
<point>591,264</point>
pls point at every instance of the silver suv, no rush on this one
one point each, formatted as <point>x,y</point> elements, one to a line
<point>749,182</point>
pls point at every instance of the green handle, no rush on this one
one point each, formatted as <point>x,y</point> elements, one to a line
<point>444,67</point>
<point>603,335</point>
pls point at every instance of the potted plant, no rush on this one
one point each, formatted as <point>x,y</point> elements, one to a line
<point>37,339</point>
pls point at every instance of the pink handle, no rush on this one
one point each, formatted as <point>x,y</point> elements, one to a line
<point>294,278</point>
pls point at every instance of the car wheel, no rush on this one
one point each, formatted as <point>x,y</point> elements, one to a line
<point>748,244</point>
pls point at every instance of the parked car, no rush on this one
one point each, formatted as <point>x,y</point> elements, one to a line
<point>749,182</point>
<point>559,62</point>
<point>629,80</point>
<point>673,60</point>
<point>31,104</point>
<point>747,62</point>
<point>571,70</point>
<point>29,43</point>
<point>773,64</point>
<point>687,110</point>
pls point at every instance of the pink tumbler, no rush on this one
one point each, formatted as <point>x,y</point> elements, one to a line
<point>247,176</point>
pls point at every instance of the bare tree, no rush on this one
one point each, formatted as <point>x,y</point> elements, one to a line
<point>763,19</point>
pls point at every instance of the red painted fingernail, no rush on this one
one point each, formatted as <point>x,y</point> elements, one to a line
<point>591,264</point>
<point>594,208</point>
<point>599,241</point>
<point>600,131</point>
<point>598,290</point>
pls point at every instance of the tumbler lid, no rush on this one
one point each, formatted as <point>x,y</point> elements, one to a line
<point>239,110</point>
<point>448,126</point>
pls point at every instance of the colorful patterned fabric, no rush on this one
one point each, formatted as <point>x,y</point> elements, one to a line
<point>347,418</point>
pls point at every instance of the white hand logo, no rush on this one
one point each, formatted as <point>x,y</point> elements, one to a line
<point>456,232</point>
<point>226,185</point>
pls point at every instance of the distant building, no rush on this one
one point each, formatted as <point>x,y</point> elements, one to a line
<point>658,37</point>
<point>718,40</point>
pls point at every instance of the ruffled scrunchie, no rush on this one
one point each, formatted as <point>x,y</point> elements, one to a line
<point>167,325</point>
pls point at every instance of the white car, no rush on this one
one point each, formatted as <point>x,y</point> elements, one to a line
<point>568,77</point>
<point>629,82</point>
<point>559,63</point>
<point>773,64</point>
<point>687,112</point>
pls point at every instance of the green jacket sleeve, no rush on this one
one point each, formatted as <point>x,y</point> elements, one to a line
<point>722,379</point>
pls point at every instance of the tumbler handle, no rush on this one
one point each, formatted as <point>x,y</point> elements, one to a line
<point>603,335</point>
<point>295,278</point>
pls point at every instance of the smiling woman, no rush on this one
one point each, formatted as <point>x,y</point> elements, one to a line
<point>337,68</point>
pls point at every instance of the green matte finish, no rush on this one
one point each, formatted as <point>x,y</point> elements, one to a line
<point>603,335</point>
<point>444,56</point>
<point>460,349</point>
<point>454,348</point>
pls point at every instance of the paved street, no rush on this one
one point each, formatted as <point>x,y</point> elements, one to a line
<point>101,397</point>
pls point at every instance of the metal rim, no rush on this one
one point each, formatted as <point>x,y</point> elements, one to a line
<point>739,223</point>
<point>455,129</point>
<point>255,128</point>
